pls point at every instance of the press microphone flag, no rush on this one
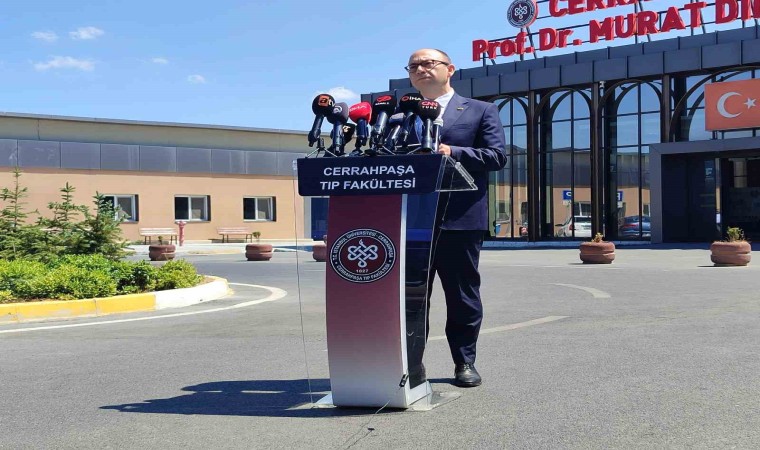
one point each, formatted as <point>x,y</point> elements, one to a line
<point>428,110</point>
<point>408,105</point>
<point>348,132</point>
<point>338,117</point>
<point>361,114</point>
<point>382,108</point>
<point>321,106</point>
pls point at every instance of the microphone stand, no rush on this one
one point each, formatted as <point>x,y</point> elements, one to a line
<point>321,148</point>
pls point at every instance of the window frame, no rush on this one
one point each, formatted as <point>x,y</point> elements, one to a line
<point>206,208</point>
<point>272,204</point>
<point>133,215</point>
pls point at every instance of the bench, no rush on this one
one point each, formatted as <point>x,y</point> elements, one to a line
<point>226,232</point>
<point>148,233</point>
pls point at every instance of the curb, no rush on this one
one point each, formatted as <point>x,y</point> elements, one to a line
<point>95,307</point>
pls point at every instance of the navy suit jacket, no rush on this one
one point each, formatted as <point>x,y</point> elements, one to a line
<point>474,132</point>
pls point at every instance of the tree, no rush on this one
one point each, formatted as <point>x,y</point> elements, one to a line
<point>71,230</point>
<point>101,232</point>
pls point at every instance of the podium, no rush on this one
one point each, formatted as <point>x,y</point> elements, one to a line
<point>381,218</point>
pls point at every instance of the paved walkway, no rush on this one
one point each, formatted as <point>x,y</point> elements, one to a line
<point>210,248</point>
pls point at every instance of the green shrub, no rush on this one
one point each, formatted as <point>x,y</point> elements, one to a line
<point>67,283</point>
<point>14,272</point>
<point>177,274</point>
<point>6,297</point>
<point>88,262</point>
<point>144,276</point>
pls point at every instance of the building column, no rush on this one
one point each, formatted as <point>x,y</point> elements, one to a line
<point>534,190</point>
<point>597,161</point>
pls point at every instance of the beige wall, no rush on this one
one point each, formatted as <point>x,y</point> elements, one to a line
<point>156,198</point>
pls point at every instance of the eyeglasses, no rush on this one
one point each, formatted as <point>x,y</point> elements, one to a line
<point>427,65</point>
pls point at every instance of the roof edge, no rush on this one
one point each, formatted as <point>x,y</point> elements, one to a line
<point>148,123</point>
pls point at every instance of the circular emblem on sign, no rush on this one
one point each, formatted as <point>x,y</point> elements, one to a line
<point>522,13</point>
<point>363,255</point>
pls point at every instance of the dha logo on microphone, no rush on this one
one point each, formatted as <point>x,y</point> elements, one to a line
<point>384,98</point>
<point>522,13</point>
<point>363,255</point>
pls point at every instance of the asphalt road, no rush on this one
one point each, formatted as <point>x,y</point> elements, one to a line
<point>658,350</point>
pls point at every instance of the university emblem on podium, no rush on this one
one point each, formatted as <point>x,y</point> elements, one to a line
<point>363,255</point>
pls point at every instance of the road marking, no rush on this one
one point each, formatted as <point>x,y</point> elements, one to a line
<point>595,292</point>
<point>275,294</point>
<point>514,326</point>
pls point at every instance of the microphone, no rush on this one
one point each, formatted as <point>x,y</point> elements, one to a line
<point>408,105</point>
<point>338,117</point>
<point>428,111</point>
<point>321,106</point>
<point>437,126</point>
<point>361,113</point>
<point>381,109</point>
<point>394,123</point>
<point>348,132</point>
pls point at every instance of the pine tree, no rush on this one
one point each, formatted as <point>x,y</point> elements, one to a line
<point>101,232</point>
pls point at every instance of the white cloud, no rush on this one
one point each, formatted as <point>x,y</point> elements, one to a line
<point>342,94</point>
<point>196,79</point>
<point>160,60</point>
<point>65,62</point>
<point>85,33</point>
<point>47,36</point>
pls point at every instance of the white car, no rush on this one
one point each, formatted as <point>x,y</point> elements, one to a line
<point>581,226</point>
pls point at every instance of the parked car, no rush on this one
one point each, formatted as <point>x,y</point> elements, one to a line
<point>581,226</point>
<point>631,227</point>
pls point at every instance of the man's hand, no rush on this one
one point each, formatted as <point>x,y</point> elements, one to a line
<point>444,149</point>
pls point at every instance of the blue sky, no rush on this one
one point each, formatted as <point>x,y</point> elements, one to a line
<point>229,62</point>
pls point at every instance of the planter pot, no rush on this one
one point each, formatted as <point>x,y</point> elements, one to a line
<point>597,252</point>
<point>258,252</point>
<point>737,253</point>
<point>161,252</point>
<point>319,252</point>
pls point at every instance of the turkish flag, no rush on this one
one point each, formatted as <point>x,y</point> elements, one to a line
<point>731,105</point>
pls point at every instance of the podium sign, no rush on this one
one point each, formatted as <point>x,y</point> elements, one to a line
<point>383,175</point>
<point>381,216</point>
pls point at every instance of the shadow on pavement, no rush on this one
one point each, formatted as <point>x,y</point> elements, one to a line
<point>267,398</point>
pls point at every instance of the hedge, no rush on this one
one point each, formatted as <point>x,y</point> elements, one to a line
<point>87,276</point>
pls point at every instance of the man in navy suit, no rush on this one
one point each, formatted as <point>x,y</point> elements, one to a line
<point>472,134</point>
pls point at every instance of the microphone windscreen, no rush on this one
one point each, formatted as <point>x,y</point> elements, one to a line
<point>360,111</point>
<point>338,114</point>
<point>428,109</point>
<point>322,104</point>
<point>348,131</point>
<point>384,103</point>
<point>409,103</point>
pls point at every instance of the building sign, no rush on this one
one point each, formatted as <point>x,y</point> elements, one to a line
<point>522,13</point>
<point>639,23</point>
<point>732,105</point>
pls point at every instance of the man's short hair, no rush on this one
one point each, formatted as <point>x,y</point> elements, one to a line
<point>444,54</point>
